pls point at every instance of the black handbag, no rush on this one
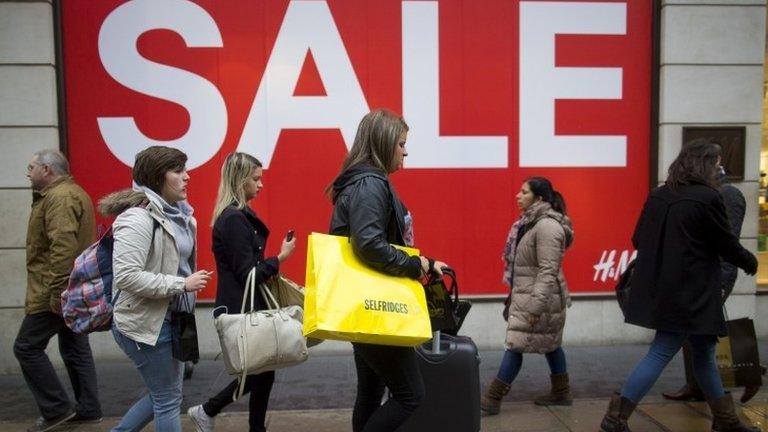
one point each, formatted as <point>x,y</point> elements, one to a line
<point>624,286</point>
<point>184,331</point>
<point>446,311</point>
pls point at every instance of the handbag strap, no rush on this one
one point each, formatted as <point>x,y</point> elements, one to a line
<point>454,286</point>
<point>244,335</point>
<point>271,302</point>
<point>250,283</point>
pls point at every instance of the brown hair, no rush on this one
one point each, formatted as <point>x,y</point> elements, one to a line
<point>153,162</point>
<point>377,136</point>
<point>697,162</point>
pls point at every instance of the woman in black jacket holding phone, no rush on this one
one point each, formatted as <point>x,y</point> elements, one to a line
<point>368,211</point>
<point>239,239</point>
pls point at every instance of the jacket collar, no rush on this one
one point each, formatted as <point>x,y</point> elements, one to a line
<point>541,210</point>
<point>44,191</point>
<point>257,223</point>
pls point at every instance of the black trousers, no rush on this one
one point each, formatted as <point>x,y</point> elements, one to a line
<point>51,397</point>
<point>380,366</point>
<point>259,386</point>
<point>690,379</point>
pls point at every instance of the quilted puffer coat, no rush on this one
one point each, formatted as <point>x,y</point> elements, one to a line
<point>538,284</point>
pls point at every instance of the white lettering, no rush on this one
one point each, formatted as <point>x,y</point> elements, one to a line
<point>607,268</point>
<point>541,83</point>
<point>308,25</point>
<point>201,99</point>
<point>421,102</point>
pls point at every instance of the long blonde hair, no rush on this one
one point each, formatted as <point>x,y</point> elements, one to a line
<point>235,172</point>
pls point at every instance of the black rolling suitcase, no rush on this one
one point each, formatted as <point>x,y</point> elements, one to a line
<point>452,381</point>
<point>450,367</point>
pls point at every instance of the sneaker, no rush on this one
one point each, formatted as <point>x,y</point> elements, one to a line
<point>80,419</point>
<point>43,425</point>
<point>202,421</point>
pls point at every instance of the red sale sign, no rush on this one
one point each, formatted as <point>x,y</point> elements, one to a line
<point>494,91</point>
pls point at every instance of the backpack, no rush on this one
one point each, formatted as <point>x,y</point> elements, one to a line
<point>86,304</point>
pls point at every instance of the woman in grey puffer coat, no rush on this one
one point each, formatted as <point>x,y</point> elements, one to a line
<point>535,308</point>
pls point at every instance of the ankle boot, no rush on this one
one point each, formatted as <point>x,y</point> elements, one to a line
<point>491,400</point>
<point>619,410</point>
<point>560,394</point>
<point>724,418</point>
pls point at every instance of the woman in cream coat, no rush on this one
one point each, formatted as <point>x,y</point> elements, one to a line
<point>538,292</point>
<point>154,266</point>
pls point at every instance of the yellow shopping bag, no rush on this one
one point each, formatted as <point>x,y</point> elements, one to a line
<point>347,300</point>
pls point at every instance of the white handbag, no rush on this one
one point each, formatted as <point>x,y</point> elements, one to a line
<point>258,341</point>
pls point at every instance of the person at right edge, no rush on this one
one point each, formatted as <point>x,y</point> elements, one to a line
<point>735,207</point>
<point>682,233</point>
<point>368,211</point>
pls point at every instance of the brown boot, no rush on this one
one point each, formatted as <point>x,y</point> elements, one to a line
<point>491,400</point>
<point>724,418</point>
<point>619,410</point>
<point>749,392</point>
<point>560,394</point>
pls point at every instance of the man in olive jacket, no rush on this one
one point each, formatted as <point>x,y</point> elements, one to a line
<point>61,226</point>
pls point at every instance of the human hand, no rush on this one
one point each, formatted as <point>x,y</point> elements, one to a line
<point>286,249</point>
<point>435,266</point>
<point>751,267</point>
<point>197,281</point>
<point>533,319</point>
<point>55,304</point>
<point>507,304</point>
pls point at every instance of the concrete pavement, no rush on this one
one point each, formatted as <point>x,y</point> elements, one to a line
<point>316,396</point>
<point>653,415</point>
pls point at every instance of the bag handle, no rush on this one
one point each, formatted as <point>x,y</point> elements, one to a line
<point>266,292</point>
<point>453,286</point>
<point>250,283</point>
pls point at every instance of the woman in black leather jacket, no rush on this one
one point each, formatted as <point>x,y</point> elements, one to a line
<point>367,209</point>
<point>239,240</point>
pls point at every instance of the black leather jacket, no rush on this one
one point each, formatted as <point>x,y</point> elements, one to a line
<point>367,210</point>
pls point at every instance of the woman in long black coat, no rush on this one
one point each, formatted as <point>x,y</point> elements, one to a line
<point>681,235</point>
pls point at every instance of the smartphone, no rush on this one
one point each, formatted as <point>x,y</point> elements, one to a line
<point>289,236</point>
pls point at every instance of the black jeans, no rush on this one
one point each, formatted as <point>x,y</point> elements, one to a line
<point>690,379</point>
<point>260,386</point>
<point>394,367</point>
<point>52,400</point>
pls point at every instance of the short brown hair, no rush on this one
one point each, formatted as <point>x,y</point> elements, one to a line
<point>153,162</point>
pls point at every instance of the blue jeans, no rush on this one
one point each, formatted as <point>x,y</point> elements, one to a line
<point>513,361</point>
<point>664,347</point>
<point>163,375</point>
